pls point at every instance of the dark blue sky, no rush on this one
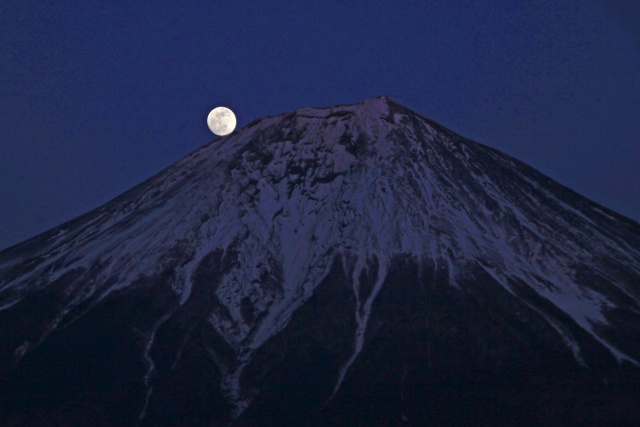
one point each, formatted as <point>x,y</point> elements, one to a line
<point>95,97</point>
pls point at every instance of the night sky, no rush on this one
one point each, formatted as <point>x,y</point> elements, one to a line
<point>95,97</point>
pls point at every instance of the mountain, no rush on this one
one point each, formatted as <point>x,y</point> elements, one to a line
<point>357,265</point>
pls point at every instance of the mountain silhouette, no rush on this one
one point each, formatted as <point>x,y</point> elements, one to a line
<point>356,265</point>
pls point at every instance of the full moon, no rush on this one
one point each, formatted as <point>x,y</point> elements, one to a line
<point>221,121</point>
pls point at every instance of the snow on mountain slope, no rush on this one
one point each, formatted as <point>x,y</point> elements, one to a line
<point>286,195</point>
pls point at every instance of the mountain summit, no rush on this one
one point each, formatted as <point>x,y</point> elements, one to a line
<point>351,265</point>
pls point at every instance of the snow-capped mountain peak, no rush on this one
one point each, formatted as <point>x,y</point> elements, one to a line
<point>260,218</point>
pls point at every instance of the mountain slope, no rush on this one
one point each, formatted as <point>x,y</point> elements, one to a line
<point>316,261</point>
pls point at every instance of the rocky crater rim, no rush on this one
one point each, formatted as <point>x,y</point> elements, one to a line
<point>382,106</point>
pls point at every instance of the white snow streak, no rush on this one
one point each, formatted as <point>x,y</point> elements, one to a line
<point>363,309</point>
